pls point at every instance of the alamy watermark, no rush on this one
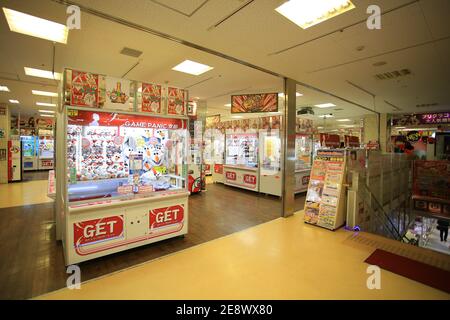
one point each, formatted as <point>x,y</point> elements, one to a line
<point>74,18</point>
<point>74,280</point>
<point>374,280</point>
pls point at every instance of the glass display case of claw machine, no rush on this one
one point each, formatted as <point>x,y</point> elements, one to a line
<point>217,157</point>
<point>29,152</point>
<point>241,161</point>
<point>208,151</point>
<point>195,166</point>
<point>304,150</point>
<point>45,150</point>
<point>126,181</point>
<point>270,163</point>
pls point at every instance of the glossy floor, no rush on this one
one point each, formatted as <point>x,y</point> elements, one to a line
<point>281,259</point>
<point>33,261</point>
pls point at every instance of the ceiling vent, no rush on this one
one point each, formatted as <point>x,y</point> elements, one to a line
<point>393,74</point>
<point>131,52</point>
<point>427,105</point>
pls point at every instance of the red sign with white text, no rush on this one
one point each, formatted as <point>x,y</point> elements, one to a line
<point>91,118</point>
<point>230,175</point>
<point>167,216</point>
<point>91,231</point>
<point>218,168</point>
<point>250,179</point>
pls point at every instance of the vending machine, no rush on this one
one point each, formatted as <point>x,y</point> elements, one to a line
<point>29,153</point>
<point>45,152</point>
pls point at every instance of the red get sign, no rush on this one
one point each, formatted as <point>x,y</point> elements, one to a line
<point>97,230</point>
<point>230,175</point>
<point>250,179</point>
<point>166,216</point>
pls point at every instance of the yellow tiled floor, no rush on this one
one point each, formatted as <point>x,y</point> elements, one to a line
<point>282,259</point>
<point>23,193</point>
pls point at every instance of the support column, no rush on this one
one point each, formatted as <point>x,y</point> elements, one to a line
<point>288,150</point>
<point>371,128</point>
<point>4,137</point>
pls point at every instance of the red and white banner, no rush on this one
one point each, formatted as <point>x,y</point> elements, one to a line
<point>151,98</point>
<point>84,91</point>
<point>97,230</point>
<point>167,216</point>
<point>91,118</point>
<point>176,104</point>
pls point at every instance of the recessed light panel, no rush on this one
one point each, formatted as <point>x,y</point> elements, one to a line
<point>13,101</point>
<point>307,13</point>
<point>4,88</point>
<point>36,27</point>
<point>44,93</point>
<point>42,73</point>
<point>45,104</point>
<point>325,105</point>
<point>192,67</point>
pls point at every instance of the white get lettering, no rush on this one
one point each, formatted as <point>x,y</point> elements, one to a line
<point>99,229</point>
<point>167,216</point>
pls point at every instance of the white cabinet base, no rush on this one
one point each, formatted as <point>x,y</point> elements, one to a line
<point>241,177</point>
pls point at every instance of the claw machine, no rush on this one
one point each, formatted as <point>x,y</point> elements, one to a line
<point>270,157</point>
<point>218,153</point>
<point>45,150</point>
<point>121,177</point>
<point>304,152</point>
<point>241,158</point>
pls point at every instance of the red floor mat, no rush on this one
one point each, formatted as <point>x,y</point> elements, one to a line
<point>411,269</point>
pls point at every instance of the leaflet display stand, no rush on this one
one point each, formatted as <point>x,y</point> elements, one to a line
<point>325,199</point>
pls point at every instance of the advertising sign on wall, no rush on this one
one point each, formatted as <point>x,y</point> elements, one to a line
<point>422,118</point>
<point>118,94</point>
<point>252,103</point>
<point>84,89</point>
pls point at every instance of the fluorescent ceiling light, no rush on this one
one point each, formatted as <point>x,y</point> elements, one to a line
<point>326,116</point>
<point>192,67</point>
<point>325,105</point>
<point>237,117</point>
<point>44,93</point>
<point>297,94</point>
<point>347,125</point>
<point>36,27</point>
<point>4,88</point>
<point>307,13</point>
<point>47,115</point>
<point>13,101</point>
<point>319,127</point>
<point>343,120</point>
<point>42,73</point>
<point>46,111</point>
<point>400,127</point>
<point>228,105</point>
<point>45,104</point>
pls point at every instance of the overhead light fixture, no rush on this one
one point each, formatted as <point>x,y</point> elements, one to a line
<point>192,67</point>
<point>324,116</point>
<point>45,104</point>
<point>347,125</point>
<point>13,101</point>
<point>319,127</point>
<point>36,27</point>
<point>228,105</point>
<point>44,93</point>
<point>325,105</point>
<point>297,94</point>
<point>400,127</point>
<point>307,13</point>
<point>4,88</point>
<point>237,117</point>
<point>343,120</point>
<point>46,111</point>
<point>42,73</point>
<point>47,115</point>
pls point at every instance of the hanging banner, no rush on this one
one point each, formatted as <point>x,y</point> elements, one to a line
<point>253,103</point>
<point>351,141</point>
<point>176,102</point>
<point>422,118</point>
<point>151,98</point>
<point>304,125</point>
<point>84,89</point>
<point>92,118</point>
<point>212,121</point>
<point>330,140</point>
<point>118,94</point>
